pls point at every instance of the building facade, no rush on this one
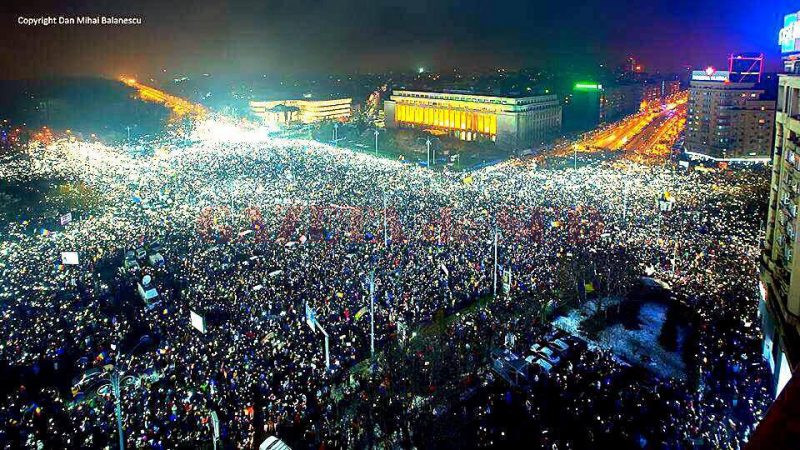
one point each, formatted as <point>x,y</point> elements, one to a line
<point>282,112</point>
<point>620,101</point>
<point>512,123</point>
<point>651,95</point>
<point>670,87</point>
<point>583,108</point>
<point>780,262</point>
<point>591,105</point>
<point>780,268</point>
<point>728,121</point>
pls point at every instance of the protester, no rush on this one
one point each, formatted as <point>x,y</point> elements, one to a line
<point>253,229</point>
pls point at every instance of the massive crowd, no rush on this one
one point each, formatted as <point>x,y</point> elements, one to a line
<point>252,230</point>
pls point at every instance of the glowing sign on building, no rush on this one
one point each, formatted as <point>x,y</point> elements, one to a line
<point>710,74</point>
<point>790,33</point>
<point>588,86</point>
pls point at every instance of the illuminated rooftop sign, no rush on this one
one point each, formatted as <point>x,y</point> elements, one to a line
<point>790,33</point>
<point>588,86</point>
<point>711,75</point>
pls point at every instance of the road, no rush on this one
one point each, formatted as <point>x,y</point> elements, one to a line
<point>642,136</point>
<point>618,134</point>
<point>179,107</point>
<point>658,131</point>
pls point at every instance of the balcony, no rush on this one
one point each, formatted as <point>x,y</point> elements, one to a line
<point>794,122</point>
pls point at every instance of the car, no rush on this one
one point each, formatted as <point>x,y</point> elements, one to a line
<point>550,355</point>
<point>560,345</point>
<point>546,366</point>
<point>131,264</point>
<point>273,443</point>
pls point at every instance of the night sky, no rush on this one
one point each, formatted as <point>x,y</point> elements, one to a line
<point>244,37</point>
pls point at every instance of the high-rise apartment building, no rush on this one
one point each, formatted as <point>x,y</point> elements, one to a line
<point>591,104</point>
<point>728,121</point>
<point>670,87</point>
<point>651,94</point>
<point>780,264</point>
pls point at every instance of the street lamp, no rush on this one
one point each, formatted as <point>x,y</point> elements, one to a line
<point>116,380</point>
<point>428,142</point>
<point>494,267</point>
<point>335,132</point>
<point>575,163</point>
<point>376,142</point>
<point>385,229</point>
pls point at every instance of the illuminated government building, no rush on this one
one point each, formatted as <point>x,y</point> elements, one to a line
<point>513,123</point>
<point>281,112</point>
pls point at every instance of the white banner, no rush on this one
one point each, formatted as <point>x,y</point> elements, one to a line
<point>69,258</point>
<point>66,218</point>
<point>198,321</point>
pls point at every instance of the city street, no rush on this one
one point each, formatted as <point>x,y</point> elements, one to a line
<point>645,135</point>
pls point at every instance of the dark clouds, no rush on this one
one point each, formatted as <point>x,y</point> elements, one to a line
<point>253,36</point>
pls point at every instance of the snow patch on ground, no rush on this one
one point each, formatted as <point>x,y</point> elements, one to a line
<point>639,347</point>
